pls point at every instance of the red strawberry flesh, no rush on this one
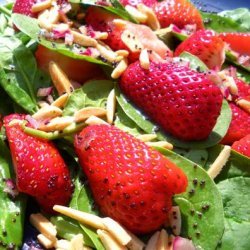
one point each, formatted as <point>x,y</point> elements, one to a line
<point>243,146</point>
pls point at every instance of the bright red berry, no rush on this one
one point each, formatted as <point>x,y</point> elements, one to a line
<point>24,7</point>
<point>131,182</point>
<point>182,101</point>
<point>134,3</point>
<point>243,146</point>
<point>40,170</point>
<point>206,45</point>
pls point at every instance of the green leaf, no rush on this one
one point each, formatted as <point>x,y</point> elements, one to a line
<point>236,201</point>
<point>204,226</point>
<point>6,105</point>
<point>145,124</point>
<point>91,94</point>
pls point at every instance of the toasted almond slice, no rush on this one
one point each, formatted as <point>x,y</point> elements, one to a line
<point>85,113</point>
<point>170,242</point>
<point>43,240</point>
<point>152,20</point>
<point>101,35</point>
<point>76,242</point>
<point>84,218</point>
<point>53,15</point>
<point>120,68</point>
<point>108,241</point>
<point>62,244</point>
<point>131,41</point>
<point>119,23</point>
<point>42,104</point>
<point>117,231</point>
<point>163,144</point>
<point>144,59</point>
<point>44,226</point>
<point>60,79</point>
<point>111,104</point>
<point>136,14</point>
<point>40,6</point>
<point>122,52</point>
<point>175,220</point>
<point>219,162</point>
<point>57,124</point>
<point>162,241</point>
<point>61,101</point>
<point>135,243</point>
<point>47,112</point>
<point>93,120</point>
<point>43,18</point>
<point>244,104</point>
<point>108,54</point>
<point>152,243</point>
<point>83,40</point>
<point>147,137</point>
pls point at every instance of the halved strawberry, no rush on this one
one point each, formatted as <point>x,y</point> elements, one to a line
<point>77,70</point>
<point>40,170</point>
<point>178,12</point>
<point>243,146</point>
<point>206,45</point>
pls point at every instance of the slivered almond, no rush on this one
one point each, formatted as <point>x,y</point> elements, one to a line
<point>152,243</point>
<point>76,242</point>
<point>152,20</point>
<point>122,52</point>
<point>44,241</point>
<point>54,15</point>
<point>108,54</point>
<point>60,79</point>
<point>47,112</point>
<point>120,68</point>
<point>163,144</point>
<point>40,6</point>
<point>44,226</point>
<point>117,231</point>
<point>135,243</point>
<point>136,14</point>
<point>162,241</point>
<point>58,123</point>
<point>147,137</point>
<point>84,218</point>
<point>108,241</point>
<point>62,244</point>
<point>111,103</point>
<point>60,101</point>
<point>42,104</point>
<point>119,23</point>
<point>219,162</point>
<point>131,41</point>
<point>85,113</point>
<point>144,59</point>
<point>244,104</point>
<point>43,18</point>
<point>101,35</point>
<point>83,40</point>
<point>93,120</point>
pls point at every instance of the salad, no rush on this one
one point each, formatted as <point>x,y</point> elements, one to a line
<point>124,125</point>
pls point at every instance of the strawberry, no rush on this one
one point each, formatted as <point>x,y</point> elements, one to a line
<point>182,101</point>
<point>40,170</point>
<point>24,7</point>
<point>77,70</point>
<point>178,12</point>
<point>131,182</point>
<point>243,89</point>
<point>243,146</point>
<point>134,3</point>
<point>206,45</point>
<point>101,20</point>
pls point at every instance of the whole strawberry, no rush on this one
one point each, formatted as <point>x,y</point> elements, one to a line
<point>131,182</point>
<point>40,170</point>
<point>182,101</point>
<point>243,146</point>
<point>206,45</point>
<point>178,12</point>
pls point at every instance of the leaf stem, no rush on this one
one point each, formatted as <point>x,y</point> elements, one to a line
<point>4,10</point>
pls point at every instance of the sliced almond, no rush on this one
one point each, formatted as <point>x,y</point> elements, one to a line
<point>47,112</point>
<point>120,68</point>
<point>219,162</point>
<point>135,243</point>
<point>244,104</point>
<point>122,52</point>
<point>117,231</point>
<point>162,241</point>
<point>174,216</point>
<point>119,23</point>
<point>111,104</point>
<point>131,41</point>
<point>60,79</point>
<point>93,120</point>
<point>44,241</point>
<point>101,35</point>
<point>84,218</point>
<point>163,144</point>
<point>108,54</point>
<point>62,244</point>
<point>108,241</point>
<point>144,59</point>
<point>61,101</point>
<point>43,18</point>
<point>42,104</point>
<point>54,15</point>
<point>136,14</point>
<point>40,6</point>
<point>44,226</point>
<point>147,137</point>
<point>83,40</point>
<point>152,243</point>
<point>84,113</point>
<point>76,242</point>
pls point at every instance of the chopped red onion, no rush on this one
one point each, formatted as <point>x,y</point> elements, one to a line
<point>182,244</point>
<point>10,188</point>
<point>69,39</point>
<point>33,123</point>
<point>43,92</point>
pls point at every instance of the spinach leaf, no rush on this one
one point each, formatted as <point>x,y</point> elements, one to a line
<point>6,105</point>
<point>12,211</point>
<point>30,27</point>
<point>236,201</point>
<point>201,205</point>
<point>91,94</point>
<point>145,124</point>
